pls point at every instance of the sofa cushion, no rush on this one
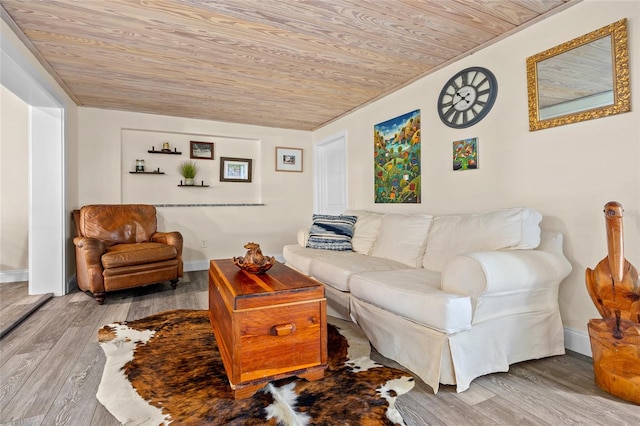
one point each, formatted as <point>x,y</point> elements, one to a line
<point>414,294</point>
<point>365,230</point>
<point>330,232</point>
<point>336,271</point>
<point>300,258</point>
<point>402,238</point>
<point>120,255</point>
<point>516,228</point>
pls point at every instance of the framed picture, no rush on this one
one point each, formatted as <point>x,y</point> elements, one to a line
<point>288,159</point>
<point>465,154</point>
<point>201,150</point>
<point>235,169</point>
<point>396,155</point>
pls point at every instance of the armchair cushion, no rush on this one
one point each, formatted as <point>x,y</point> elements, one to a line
<point>135,254</point>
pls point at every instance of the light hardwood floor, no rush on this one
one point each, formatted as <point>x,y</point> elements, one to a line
<point>51,364</point>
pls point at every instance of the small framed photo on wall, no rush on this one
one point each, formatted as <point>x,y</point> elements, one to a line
<point>465,154</point>
<point>201,150</point>
<point>288,159</point>
<point>235,169</point>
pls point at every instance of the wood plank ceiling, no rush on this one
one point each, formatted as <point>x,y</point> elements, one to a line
<point>277,63</point>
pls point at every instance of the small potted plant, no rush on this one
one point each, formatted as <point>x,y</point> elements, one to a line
<point>188,169</point>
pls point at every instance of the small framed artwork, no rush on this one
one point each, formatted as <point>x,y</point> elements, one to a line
<point>288,159</point>
<point>201,150</point>
<point>465,154</point>
<point>235,169</point>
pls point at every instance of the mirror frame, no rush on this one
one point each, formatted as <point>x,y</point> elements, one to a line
<point>620,62</point>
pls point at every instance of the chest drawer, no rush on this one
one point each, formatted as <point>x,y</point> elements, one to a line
<point>279,338</point>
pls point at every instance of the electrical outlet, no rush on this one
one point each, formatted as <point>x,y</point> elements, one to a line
<point>203,243</point>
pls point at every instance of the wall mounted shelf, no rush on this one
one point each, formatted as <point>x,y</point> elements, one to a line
<point>202,185</point>
<point>156,172</point>
<point>174,152</point>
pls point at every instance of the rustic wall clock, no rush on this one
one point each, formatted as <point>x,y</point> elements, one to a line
<point>467,97</point>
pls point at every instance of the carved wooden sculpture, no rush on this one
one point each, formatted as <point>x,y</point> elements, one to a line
<point>615,339</point>
<point>254,261</point>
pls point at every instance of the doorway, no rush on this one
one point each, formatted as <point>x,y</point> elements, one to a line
<point>330,175</point>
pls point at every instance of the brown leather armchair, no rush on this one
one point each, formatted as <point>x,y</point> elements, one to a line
<point>118,247</point>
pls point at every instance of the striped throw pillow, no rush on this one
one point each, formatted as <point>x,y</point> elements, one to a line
<point>331,232</point>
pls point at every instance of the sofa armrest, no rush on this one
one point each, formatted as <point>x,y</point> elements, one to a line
<point>507,281</point>
<point>88,263</point>
<point>303,237</point>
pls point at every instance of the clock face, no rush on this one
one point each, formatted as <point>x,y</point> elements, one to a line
<point>467,97</point>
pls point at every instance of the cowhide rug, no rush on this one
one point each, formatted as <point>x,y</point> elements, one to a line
<point>166,368</point>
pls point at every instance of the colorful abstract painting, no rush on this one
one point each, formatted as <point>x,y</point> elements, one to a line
<point>397,159</point>
<point>465,154</point>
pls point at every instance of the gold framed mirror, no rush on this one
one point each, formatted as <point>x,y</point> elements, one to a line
<point>582,79</point>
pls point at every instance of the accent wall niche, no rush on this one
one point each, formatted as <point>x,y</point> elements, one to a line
<point>160,184</point>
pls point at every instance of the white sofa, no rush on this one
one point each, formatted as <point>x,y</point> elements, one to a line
<point>449,297</point>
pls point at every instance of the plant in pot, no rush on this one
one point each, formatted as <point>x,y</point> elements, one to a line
<point>188,169</point>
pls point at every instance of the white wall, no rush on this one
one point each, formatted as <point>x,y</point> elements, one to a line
<point>287,197</point>
<point>14,185</point>
<point>567,173</point>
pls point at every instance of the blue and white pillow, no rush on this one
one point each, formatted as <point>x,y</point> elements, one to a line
<point>331,232</point>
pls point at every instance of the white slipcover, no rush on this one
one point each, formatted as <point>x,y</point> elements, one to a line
<point>449,297</point>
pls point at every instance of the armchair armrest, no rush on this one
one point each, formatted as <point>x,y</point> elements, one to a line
<point>506,282</point>
<point>172,238</point>
<point>88,264</point>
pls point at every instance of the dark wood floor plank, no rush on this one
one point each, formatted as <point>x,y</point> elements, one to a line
<point>62,336</point>
<point>529,392</point>
<point>505,413</point>
<point>75,402</point>
<point>17,309</point>
<point>13,374</point>
<point>10,293</point>
<point>584,394</point>
<point>19,338</point>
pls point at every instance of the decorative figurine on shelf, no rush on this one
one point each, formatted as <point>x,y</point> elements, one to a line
<point>254,261</point>
<point>165,147</point>
<point>615,339</point>
<point>139,165</point>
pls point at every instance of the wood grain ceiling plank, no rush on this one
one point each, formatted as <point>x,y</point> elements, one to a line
<point>539,6</point>
<point>350,23</point>
<point>270,116</point>
<point>430,30</point>
<point>201,79</point>
<point>508,11</point>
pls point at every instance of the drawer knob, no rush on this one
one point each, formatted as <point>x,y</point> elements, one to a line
<point>283,329</point>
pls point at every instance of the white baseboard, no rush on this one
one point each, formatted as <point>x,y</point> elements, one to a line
<point>196,265</point>
<point>577,341</point>
<point>14,276</point>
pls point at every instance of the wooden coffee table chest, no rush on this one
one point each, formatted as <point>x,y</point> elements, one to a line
<point>268,326</point>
